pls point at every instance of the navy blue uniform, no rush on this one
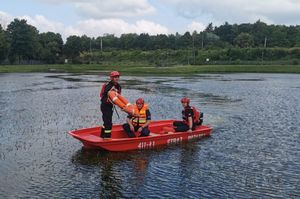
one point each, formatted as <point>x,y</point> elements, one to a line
<point>107,108</point>
<point>181,126</point>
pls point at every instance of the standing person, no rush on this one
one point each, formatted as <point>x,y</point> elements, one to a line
<point>190,115</point>
<point>138,124</point>
<point>106,105</point>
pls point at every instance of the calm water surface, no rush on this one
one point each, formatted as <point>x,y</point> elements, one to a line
<point>254,151</point>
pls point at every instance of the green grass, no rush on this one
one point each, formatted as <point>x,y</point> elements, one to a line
<point>143,69</point>
<point>214,69</point>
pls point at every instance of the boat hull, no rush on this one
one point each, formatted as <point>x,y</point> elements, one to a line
<point>90,137</point>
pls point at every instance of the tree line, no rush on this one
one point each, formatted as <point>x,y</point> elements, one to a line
<point>21,43</point>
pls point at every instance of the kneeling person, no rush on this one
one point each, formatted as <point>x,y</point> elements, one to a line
<point>138,124</point>
<point>190,115</point>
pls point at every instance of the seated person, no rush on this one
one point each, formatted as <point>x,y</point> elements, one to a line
<point>191,117</point>
<point>138,124</point>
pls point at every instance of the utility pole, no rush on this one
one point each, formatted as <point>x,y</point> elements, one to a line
<point>202,39</point>
<point>262,54</point>
<point>193,48</point>
<point>265,44</point>
<point>101,44</point>
<point>90,50</point>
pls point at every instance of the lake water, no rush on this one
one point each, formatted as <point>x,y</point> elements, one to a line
<point>253,152</point>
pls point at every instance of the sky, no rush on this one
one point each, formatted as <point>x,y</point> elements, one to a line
<point>98,17</point>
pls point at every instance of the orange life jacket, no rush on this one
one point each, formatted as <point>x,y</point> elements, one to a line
<point>142,119</point>
<point>196,117</point>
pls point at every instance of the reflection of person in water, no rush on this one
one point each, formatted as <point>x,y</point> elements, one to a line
<point>111,181</point>
<point>140,168</point>
<point>109,184</point>
<point>187,164</point>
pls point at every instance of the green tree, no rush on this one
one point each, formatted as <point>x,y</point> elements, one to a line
<point>244,40</point>
<point>278,37</point>
<point>209,28</point>
<point>161,41</point>
<point>225,32</point>
<point>128,41</point>
<point>293,35</point>
<point>51,47</point>
<point>172,41</point>
<point>197,39</point>
<point>24,40</point>
<point>72,47</point>
<point>4,45</point>
<point>259,31</point>
<point>245,27</point>
<point>109,41</point>
<point>210,39</point>
<point>143,42</point>
<point>86,43</point>
<point>185,41</point>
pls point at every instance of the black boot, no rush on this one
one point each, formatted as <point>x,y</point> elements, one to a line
<point>102,132</point>
<point>201,118</point>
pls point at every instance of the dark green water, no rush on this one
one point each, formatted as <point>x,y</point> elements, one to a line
<point>254,151</point>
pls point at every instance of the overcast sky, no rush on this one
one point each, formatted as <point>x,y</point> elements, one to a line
<point>97,17</point>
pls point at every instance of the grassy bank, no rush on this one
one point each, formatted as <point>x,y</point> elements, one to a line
<point>142,69</point>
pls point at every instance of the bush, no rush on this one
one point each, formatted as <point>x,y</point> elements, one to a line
<point>165,57</point>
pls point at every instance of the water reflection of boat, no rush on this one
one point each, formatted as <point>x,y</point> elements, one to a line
<point>120,142</point>
<point>100,157</point>
<point>109,168</point>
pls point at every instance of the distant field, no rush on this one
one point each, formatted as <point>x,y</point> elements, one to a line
<point>142,69</point>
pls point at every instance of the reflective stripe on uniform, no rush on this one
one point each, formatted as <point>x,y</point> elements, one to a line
<point>141,119</point>
<point>107,131</point>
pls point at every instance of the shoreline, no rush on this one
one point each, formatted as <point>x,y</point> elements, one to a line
<point>142,69</point>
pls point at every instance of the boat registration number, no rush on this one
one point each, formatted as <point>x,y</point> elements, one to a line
<point>175,140</point>
<point>146,145</point>
<point>196,136</point>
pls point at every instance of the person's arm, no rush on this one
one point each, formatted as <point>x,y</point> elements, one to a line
<point>189,115</point>
<point>119,89</point>
<point>190,124</point>
<point>116,88</point>
<point>146,124</point>
<point>129,121</point>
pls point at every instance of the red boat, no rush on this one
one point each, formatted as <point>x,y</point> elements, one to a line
<point>161,134</point>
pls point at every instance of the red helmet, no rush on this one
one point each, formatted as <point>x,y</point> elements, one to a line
<point>139,101</point>
<point>185,100</point>
<point>114,74</point>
